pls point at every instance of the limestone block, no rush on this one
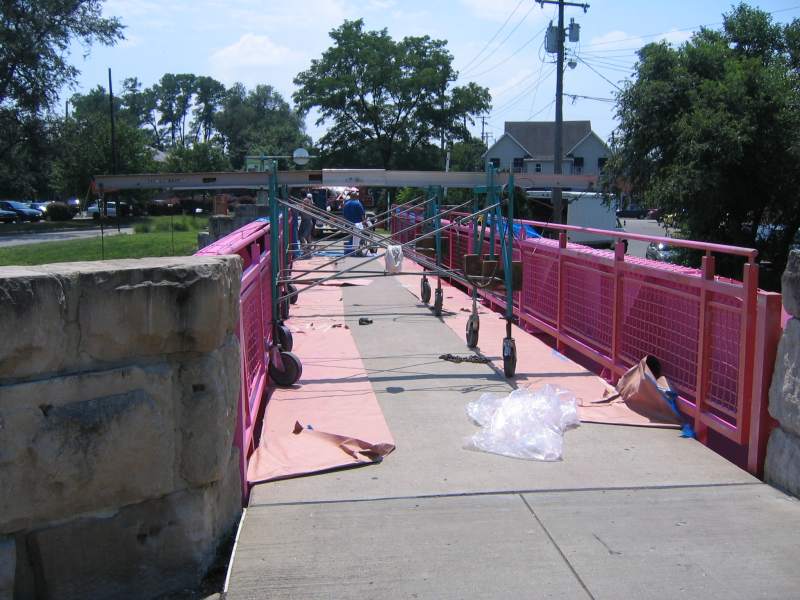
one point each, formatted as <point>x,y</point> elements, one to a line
<point>36,323</point>
<point>790,284</point>
<point>8,567</point>
<point>86,442</point>
<point>72,316</point>
<point>782,466</point>
<point>141,551</point>
<point>186,306</point>
<point>784,392</point>
<point>207,399</point>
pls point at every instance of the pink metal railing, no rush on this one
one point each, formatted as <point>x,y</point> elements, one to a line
<point>252,244</point>
<point>716,337</point>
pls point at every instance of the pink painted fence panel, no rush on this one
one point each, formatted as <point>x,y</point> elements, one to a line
<point>715,337</point>
<point>252,244</point>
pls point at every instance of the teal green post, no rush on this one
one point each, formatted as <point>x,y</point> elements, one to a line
<point>274,239</point>
<point>509,249</point>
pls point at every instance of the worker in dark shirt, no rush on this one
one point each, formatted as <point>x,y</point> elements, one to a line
<point>353,211</point>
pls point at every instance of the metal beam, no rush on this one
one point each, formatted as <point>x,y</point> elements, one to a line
<point>332,178</point>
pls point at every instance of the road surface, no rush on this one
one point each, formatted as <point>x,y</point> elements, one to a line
<point>643,227</point>
<point>18,239</point>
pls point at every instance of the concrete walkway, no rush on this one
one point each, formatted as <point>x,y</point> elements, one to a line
<point>629,513</point>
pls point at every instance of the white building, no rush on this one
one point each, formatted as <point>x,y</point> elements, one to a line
<point>527,147</point>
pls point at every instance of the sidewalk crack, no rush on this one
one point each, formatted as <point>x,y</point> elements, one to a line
<point>557,547</point>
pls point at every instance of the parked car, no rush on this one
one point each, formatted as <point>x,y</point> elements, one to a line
<point>40,206</point>
<point>7,216</point>
<point>655,214</point>
<point>634,211</point>
<point>94,210</point>
<point>74,205</point>
<point>660,251</point>
<point>23,212</point>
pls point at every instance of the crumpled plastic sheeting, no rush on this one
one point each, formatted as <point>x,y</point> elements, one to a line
<point>527,423</point>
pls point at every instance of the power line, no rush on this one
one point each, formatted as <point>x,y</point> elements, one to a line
<point>510,56</point>
<point>503,41</point>
<point>575,96</point>
<point>599,73</point>
<point>692,28</point>
<point>496,33</point>
<point>516,100</point>
<point>541,110</point>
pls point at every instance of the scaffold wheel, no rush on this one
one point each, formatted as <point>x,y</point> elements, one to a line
<point>473,328</point>
<point>291,371</point>
<point>438,302</point>
<point>285,338</point>
<point>425,290</point>
<point>509,357</point>
<point>292,290</point>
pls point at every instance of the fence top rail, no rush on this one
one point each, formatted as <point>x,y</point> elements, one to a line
<point>237,240</point>
<point>707,247</point>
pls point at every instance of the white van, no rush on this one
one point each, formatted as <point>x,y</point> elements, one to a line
<point>587,209</point>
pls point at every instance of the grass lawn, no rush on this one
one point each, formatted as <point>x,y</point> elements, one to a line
<point>151,238</point>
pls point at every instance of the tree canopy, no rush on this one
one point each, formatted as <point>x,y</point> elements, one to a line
<point>34,46</point>
<point>711,131</point>
<point>386,102</point>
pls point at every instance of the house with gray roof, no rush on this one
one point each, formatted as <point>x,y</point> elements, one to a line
<point>527,147</point>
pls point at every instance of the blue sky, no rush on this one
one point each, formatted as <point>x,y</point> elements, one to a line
<point>257,41</point>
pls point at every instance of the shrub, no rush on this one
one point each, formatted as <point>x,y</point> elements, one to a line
<point>58,211</point>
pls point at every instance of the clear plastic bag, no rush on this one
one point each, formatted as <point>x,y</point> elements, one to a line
<point>527,423</point>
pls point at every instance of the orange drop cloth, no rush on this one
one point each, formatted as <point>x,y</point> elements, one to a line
<point>331,418</point>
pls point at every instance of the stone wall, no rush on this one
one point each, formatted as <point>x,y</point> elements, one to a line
<point>118,391</point>
<point>782,468</point>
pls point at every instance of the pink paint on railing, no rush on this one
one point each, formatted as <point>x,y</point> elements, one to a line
<point>715,337</point>
<point>252,243</point>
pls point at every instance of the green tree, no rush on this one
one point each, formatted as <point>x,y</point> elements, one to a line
<point>199,157</point>
<point>711,131</point>
<point>387,102</point>
<point>34,47</point>
<point>258,122</point>
<point>174,95</point>
<point>210,94</point>
<point>84,145</point>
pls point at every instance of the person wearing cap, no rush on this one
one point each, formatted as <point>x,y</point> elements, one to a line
<point>355,214</point>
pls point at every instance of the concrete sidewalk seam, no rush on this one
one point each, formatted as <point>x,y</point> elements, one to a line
<point>511,492</point>
<point>557,547</point>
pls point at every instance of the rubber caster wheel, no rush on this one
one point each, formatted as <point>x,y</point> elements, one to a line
<point>285,338</point>
<point>292,289</point>
<point>509,357</point>
<point>473,328</point>
<point>291,372</point>
<point>438,302</point>
<point>425,291</point>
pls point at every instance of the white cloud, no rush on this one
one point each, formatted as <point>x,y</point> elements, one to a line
<point>251,59</point>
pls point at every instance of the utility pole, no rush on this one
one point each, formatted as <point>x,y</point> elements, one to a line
<point>483,129</point>
<point>113,151</point>
<point>558,151</point>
